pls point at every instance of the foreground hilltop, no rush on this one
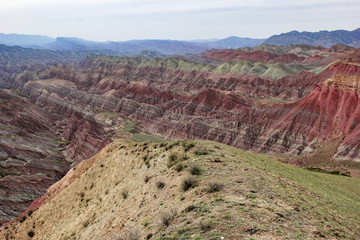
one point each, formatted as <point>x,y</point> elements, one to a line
<point>190,189</point>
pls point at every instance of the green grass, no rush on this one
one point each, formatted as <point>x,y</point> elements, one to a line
<point>109,114</point>
<point>331,197</point>
<point>130,127</point>
<point>145,137</point>
<point>136,136</point>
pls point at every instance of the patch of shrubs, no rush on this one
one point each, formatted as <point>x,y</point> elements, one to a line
<point>31,233</point>
<point>214,187</point>
<point>22,219</point>
<point>174,158</point>
<point>195,170</point>
<point>147,178</point>
<point>179,166</point>
<point>205,226</point>
<point>171,145</point>
<point>160,184</point>
<point>125,193</point>
<point>167,217</point>
<point>187,145</point>
<point>199,151</point>
<point>190,208</point>
<point>131,235</point>
<point>188,183</point>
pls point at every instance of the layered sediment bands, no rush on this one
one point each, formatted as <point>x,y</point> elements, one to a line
<point>30,154</point>
<point>178,100</point>
<point>18,192</point>
<point>39,141</point>
<point>85,135</point>
<point>73,120</point>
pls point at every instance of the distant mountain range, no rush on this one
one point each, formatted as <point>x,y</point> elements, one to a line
<point>126,47</point>
<point>170,47</point>
<point>322,38</point>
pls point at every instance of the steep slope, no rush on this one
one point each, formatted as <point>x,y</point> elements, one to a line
<point>322,38</point>
<point>37,147</point>
<point>131,191</point>
<point>31,155</point>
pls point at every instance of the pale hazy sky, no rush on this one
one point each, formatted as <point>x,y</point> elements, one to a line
<point>119,20</point>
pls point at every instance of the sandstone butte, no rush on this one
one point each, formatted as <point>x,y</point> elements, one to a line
<point>294,101</point>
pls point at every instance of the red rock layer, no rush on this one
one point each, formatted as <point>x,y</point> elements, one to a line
<point>181,104</point>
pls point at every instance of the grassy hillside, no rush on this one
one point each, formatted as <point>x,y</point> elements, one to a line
<point>192,190</point>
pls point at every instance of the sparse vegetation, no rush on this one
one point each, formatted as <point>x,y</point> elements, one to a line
<point>179,166</point>
<point>31,233</point>
<point>22,219</point>
<point>174,158</point>
<point>236,199</point>
<point>199,151</point>
<point>205,226</point>
<point>214,187</point>
<point>86,223</point>
<point>167,217</point>
<point>190,208</point>
<point>195,170</point>
<point>160,184</point>
<point>187,145</point>
<point>125,193</point>
<point>147,178</point>
<point>188,183</point>
<point>130,235</point>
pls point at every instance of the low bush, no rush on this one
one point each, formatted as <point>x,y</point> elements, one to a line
<point>205,226</point>
<point>160,184</point>
<point>125,193</point>
<point>147,178</point>
<point>178,167</point>
<point>167,217</point>
<point>188,183</point>
<point>214,187</point>
<point>195,170</point>
<point>31,233</point>
<point>187,145</point>
<point>200,151</point>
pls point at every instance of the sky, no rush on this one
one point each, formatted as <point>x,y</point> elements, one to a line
<point>120,20</point>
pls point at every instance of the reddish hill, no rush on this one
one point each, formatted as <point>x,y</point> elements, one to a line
<point>259,106</point>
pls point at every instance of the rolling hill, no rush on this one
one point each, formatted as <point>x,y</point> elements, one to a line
<point>190,189</point>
